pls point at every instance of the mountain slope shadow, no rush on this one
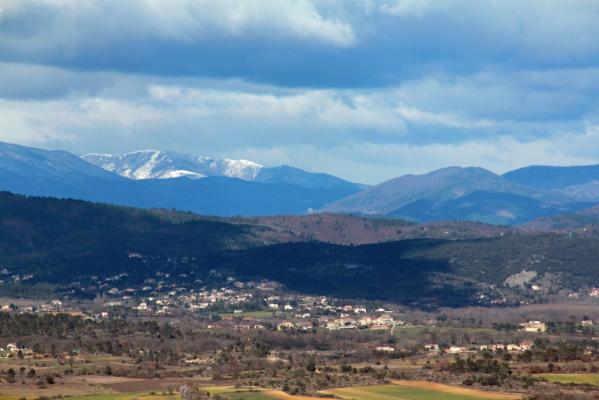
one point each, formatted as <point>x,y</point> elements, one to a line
<point>383,271</point>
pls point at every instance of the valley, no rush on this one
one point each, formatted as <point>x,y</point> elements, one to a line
<point>299,200</point>
<point>465,286</point>
<point>104,301</point>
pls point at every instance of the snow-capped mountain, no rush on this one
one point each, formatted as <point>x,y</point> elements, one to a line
<point>260,191</point>
<point>158,164</point>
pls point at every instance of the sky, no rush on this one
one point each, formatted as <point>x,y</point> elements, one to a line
<point>365,90</point>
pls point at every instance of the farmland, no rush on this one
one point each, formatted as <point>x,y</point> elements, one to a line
<point>578,379</point>
<point>410,390</point>
<point>401,390</point>
<point>121,389</point>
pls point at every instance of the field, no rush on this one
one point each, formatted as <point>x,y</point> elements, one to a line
<point>579,379</point>
<point>411,390</point>
<point>131,389</point>
<point>228,393</point>
<point>249,396</point>
<point>126,389</point>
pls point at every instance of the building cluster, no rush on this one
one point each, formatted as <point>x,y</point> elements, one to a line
<point>381,322</point>
<point>496,347</point>
<point>12,350</point>
<point>53,306</point>
<point>157,297</point>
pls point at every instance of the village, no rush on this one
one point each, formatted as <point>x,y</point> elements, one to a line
<point>268,306</point>
<point>218,331</point>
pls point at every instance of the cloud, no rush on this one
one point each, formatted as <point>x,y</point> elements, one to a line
<point>375,162</point>
<point>366,90</point>
<point>301,43</point>
<point>444,119</point>
<point>405,7</point>
<point>363,134</point>
<point>101,23</point>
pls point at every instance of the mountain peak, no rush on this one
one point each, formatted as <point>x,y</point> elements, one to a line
<point>439,185</point>
<point>161,164</point>
<point>452,170</point>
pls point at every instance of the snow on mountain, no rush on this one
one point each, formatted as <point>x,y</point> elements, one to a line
<point>158,164</point>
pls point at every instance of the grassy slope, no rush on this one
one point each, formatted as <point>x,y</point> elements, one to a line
<point>580,379</point>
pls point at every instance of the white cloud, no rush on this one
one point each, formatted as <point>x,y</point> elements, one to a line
<point>405,7</point>
<point>68,122</point>
<point>66,27</point>
<point>443,119</point>
<point>366,135</point>
<point>375,162</point>
<point>330,108</point>
<point>187,20</point>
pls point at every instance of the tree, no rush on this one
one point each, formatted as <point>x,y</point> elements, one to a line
<point>311,365</point>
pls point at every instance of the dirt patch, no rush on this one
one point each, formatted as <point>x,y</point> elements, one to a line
<point>439,387</point>
<point>285,396</point>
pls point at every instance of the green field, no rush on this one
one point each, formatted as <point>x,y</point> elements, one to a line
<point>390,392</point>
<point>579,379</point>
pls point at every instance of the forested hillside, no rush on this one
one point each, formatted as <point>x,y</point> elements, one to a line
<point>59,242</point>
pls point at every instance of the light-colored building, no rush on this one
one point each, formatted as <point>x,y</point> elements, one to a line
<point>533,326</point>
<point>432,347</point>
<point>285,326</point>
<point>456,350</point>
<point>342,323</point>
<point>383,322</point>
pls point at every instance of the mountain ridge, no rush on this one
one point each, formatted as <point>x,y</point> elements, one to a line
<point>440,185</point>
<point>225,187</point>
<point>163,164</point>
<point>60,174</point>
<point>554,177</point>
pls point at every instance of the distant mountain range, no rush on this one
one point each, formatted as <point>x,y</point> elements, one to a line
<point>225,187</point>
<point>156,179</point>
<point>455,193</point>
<point>437,186</point>
<point>551,177</point>
<point>158,164</point>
